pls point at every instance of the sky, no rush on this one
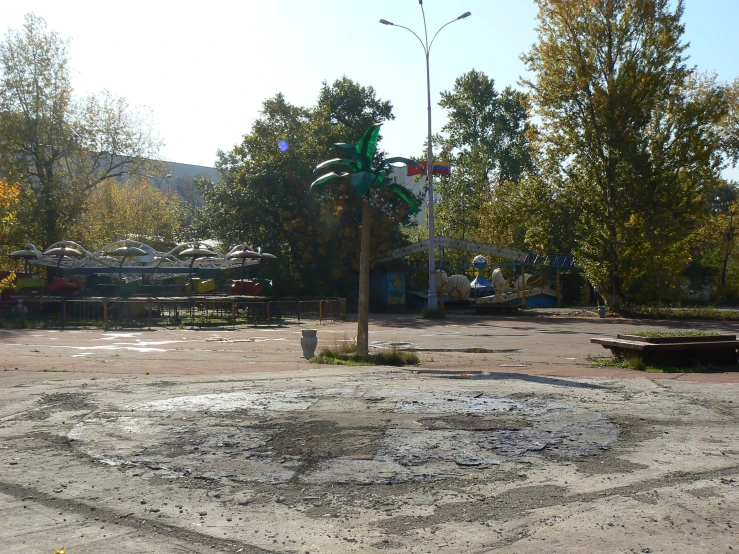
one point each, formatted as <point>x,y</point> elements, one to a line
<point>205,68</point>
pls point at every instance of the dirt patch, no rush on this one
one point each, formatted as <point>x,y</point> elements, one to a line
<point>315,441</point>
<point>65,400</point>
<point>472,423</point>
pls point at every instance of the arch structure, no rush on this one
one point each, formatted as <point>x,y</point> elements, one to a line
<point>560,261</point>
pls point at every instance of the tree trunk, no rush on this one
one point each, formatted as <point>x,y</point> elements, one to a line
<point>363,316</point>
<point>616,294</point>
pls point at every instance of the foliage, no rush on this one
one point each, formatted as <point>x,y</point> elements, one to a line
<point>135,210</point>
<point>261,197</point>
<point>713,245</point>
<point>7,281</point>
<point>57,146</point>
<point>487,139</point>
<point>8,208</point>
<point>629,141</point>
<point>730,123</point>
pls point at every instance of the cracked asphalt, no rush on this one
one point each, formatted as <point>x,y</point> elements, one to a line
<point>507,438</point>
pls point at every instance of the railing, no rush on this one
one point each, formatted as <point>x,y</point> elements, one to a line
<point>163,312</point>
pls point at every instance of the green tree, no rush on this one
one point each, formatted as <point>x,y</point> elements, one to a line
<point>629,136</point>
<point>487,139</point>
<point>714,242</point>
<point>261,195</point>
<point>730,123</point>
<point>57,146</point>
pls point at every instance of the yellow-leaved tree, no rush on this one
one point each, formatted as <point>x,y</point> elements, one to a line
<point>8,205</point>
<point>135,209</point>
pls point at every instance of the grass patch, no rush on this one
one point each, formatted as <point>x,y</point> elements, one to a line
<point>707,313</point>
<point>673,334</point>
<point>637,364</point>
<point>346,354</point>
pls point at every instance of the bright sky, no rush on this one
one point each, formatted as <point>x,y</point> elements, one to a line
<point>204,68</point>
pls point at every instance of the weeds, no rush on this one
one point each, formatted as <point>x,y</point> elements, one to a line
<point>672,334</point>
<point>637,364</point>
<point>345,353</point>
<point>708,313</point>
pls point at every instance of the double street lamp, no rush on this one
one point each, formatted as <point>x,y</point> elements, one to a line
<point>433,301</point>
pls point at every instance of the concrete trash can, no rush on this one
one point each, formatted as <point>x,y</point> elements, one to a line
<point>308,342</point>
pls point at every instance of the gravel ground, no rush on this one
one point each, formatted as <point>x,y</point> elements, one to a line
<point>225,441</point>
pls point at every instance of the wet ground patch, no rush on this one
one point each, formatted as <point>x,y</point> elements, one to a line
<point>341,435</point>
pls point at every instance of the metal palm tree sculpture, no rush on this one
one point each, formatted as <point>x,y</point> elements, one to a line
<point>358,161</point>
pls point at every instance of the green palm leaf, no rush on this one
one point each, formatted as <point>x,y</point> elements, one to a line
<point>406,195</point>
<point>363,162</point>
<point>325,179</point>
<point>367,145</point>
<point>348,162</point>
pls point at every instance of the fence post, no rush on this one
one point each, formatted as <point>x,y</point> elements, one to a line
<point>233,312</point>
<point>269,313</point>
<point>320,311</point>
<point>299,302</point>
<point>64,313</point>
<point>105,313</point>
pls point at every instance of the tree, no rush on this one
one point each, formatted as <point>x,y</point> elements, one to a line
<point>714,242</point>
<point>486,137</point>
<point>57,146</point>
<point>629,137</point>
<point>365,175</point>
<point>114,211</point>
<point>8,207</point>
<point>261,195</point>
<point>730,123</point>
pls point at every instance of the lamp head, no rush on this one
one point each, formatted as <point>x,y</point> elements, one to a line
<point>386,22</point>
<point>465,14</point>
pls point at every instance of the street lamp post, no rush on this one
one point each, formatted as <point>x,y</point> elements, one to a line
<point>433,301</point>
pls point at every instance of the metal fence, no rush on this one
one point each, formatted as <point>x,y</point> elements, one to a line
<point>165,312</point>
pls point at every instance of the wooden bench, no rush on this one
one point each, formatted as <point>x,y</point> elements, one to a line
<point>676,350</point>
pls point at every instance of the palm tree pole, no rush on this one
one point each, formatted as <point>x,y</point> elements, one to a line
<point>358,160</point>
<point>363,308</point>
